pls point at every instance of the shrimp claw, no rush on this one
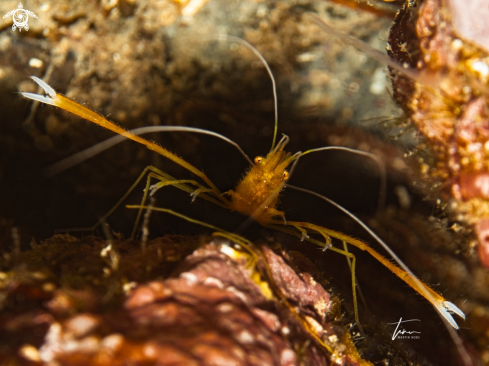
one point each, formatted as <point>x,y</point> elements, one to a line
<point>445,308</point>
<point>50,99</point>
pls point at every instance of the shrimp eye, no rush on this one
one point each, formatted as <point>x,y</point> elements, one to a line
<point>286,174</point>
<point>258,160</point>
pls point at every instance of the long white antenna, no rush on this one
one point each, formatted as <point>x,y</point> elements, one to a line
<point>264,62</point>
<point>104,145</point>
<point>383,175</point>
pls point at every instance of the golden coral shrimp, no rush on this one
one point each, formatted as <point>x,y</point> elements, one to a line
<point>256,195</point>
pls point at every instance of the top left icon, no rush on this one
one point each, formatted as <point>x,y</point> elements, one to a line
<point>20,17</point>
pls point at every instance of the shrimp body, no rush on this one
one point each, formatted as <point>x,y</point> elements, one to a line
<point>257,193</point>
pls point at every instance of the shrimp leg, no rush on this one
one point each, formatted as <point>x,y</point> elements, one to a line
<point>256,257</point>
<point>302,234</point>
<point>165,180</point>
<point>444,307</point>
<point>67,104</point>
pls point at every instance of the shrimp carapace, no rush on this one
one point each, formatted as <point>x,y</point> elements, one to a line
<point>257,193</point>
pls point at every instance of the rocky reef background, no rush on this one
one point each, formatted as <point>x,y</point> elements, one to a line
<point>158,62</point>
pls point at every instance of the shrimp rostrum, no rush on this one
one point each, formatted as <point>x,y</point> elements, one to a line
<point>256,195</point>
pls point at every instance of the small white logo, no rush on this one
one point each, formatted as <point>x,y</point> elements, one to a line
<point>20,17</point>
<point>403,333</point>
